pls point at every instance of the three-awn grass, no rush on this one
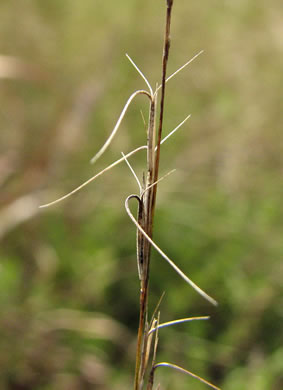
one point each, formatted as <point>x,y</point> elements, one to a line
<point>147,337</point>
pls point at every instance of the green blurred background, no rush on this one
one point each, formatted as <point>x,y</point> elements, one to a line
<point>68,279</point>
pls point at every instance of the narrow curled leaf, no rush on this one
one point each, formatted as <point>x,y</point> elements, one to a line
<point>173,265</point>
<point>148,344</point>
<point>174,130</point>
<point>133,172</point>
<point>124,158</point>
<point>181,68</point>
<point>94,177</point>
<point>178,368</point>
<point>158,181</point>
<point>156,341</point>
<point>141,74</point>
<point>114,131</point>
<point>156,310</point>
<point>175,322</point>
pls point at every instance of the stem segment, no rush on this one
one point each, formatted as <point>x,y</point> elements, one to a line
<point>147,208</point>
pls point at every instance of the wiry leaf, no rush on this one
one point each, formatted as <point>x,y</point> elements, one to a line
<point>173,265</point>
<point>178,368</point>
<point>94,177</point>
<point>141,73</point>
<point>175,322</point>
<point>114,131</point>
<point>181,68</point>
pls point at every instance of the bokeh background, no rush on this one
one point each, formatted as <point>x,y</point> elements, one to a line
<point>68,279</point>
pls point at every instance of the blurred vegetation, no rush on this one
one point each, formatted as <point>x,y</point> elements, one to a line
<point>68,279</point>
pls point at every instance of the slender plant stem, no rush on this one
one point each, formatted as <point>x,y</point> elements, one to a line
<point>146,211</point>
<point>163,85</point>
<point>148,330</point>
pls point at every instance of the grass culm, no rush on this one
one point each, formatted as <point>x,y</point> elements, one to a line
<point>148,326</point>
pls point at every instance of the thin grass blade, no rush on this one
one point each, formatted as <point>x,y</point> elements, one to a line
<point>175,322</point>
<point>93,178</point>
<point>174,130</point>
<point>173,265</point>
<point>141,73</point>
<point>181,68</point>
<point>114,131</point>
<point>178,368</point>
